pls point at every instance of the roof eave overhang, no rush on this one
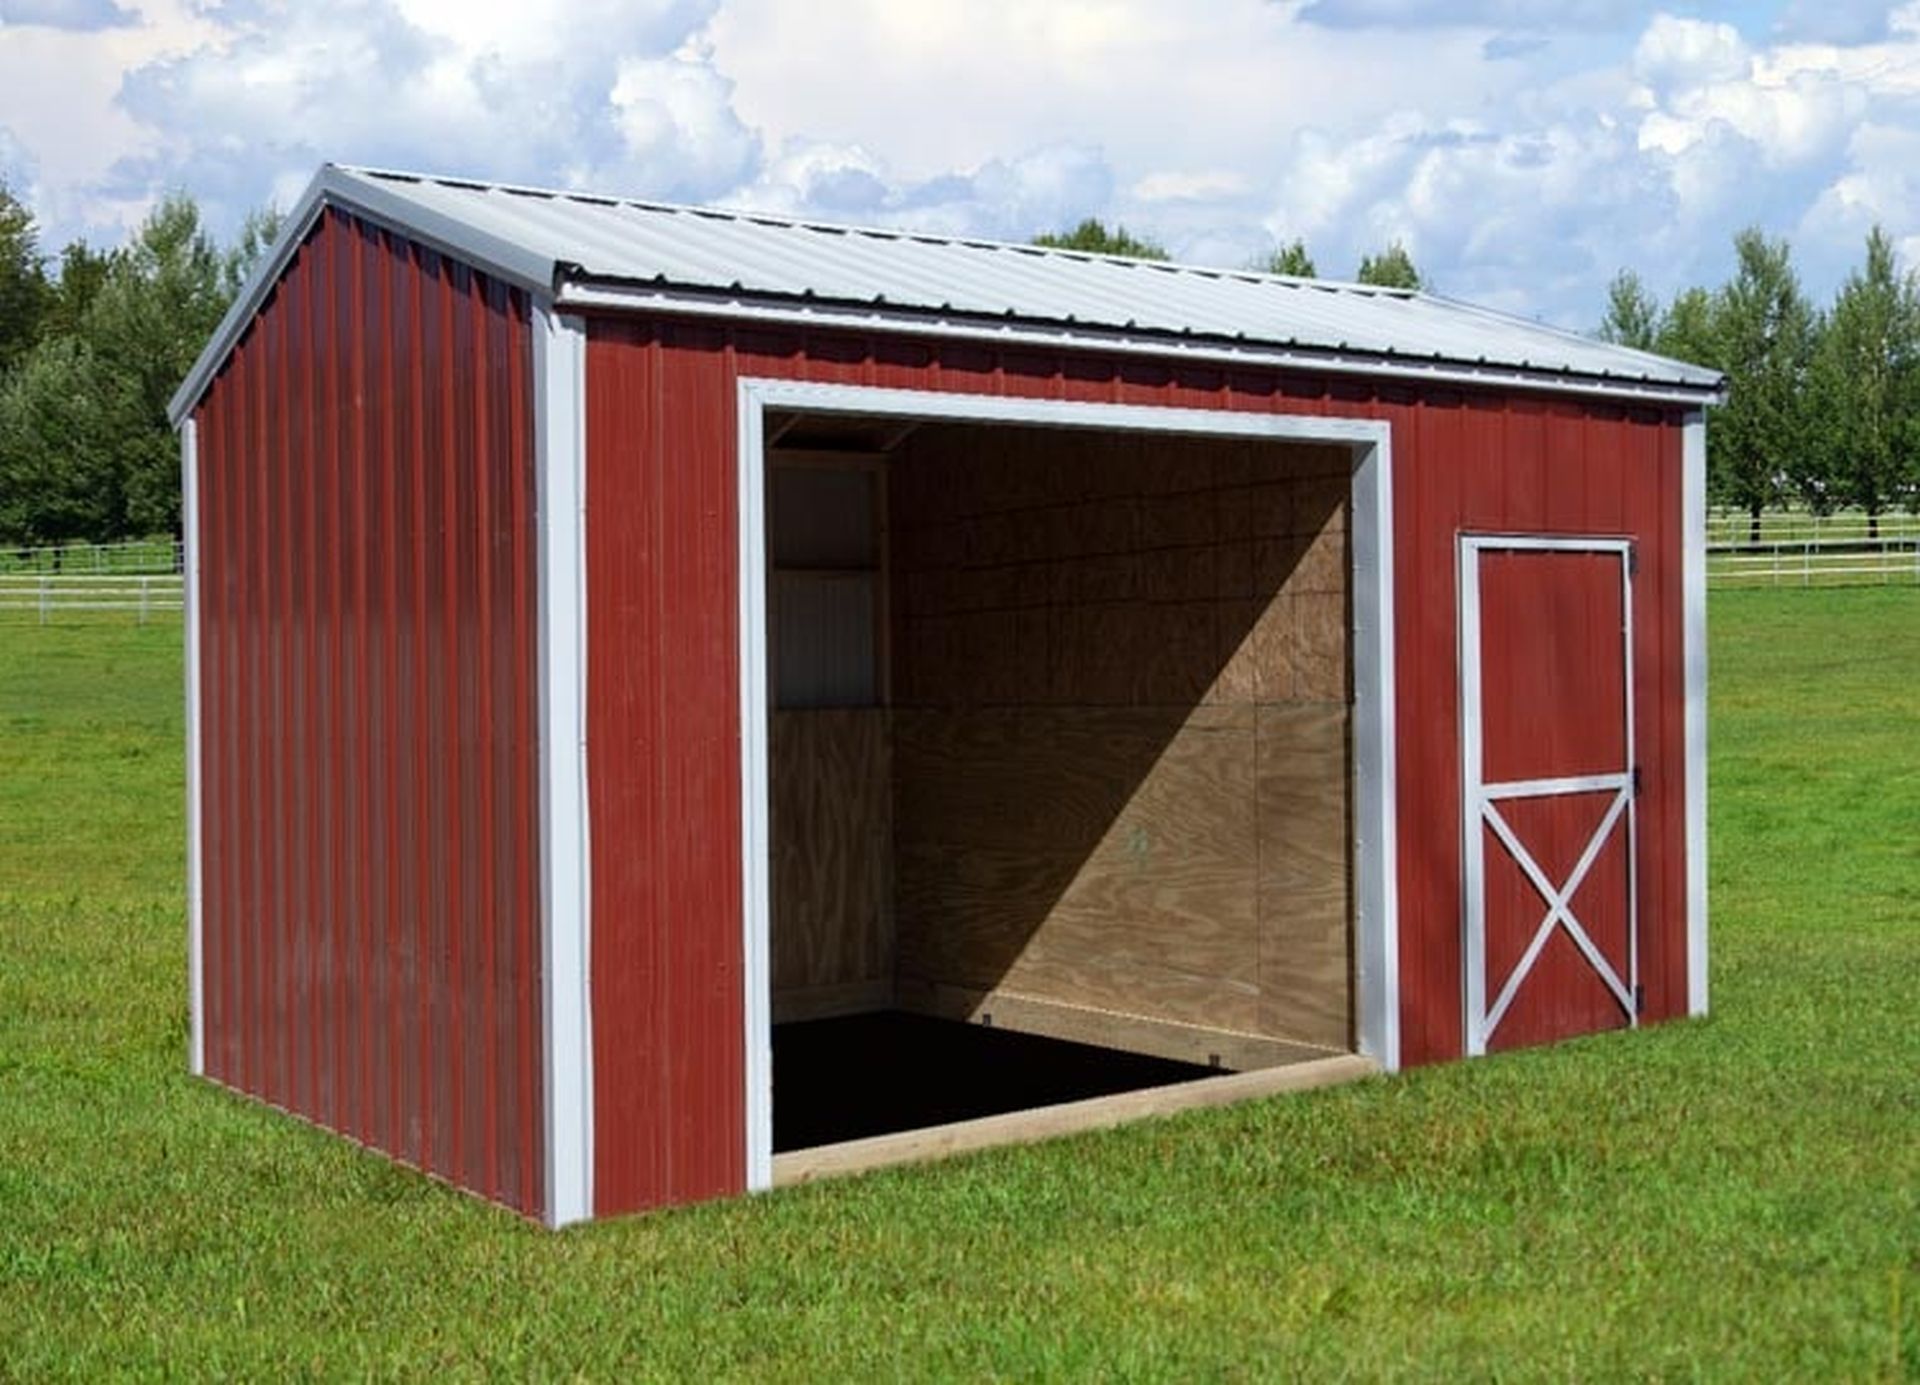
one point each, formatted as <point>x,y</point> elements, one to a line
<point>624,296</point>
<point>566,287</point>
<point>337,187</point>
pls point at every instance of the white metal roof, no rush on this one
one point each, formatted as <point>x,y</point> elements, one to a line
<point>606,251</point>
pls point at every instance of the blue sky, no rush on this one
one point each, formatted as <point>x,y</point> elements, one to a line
<point>1522,149</point>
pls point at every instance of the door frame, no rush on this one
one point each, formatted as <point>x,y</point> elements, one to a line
<point>1375,861</point>
<point>1477,800</point>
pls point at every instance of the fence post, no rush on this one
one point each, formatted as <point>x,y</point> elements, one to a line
<point>46,596</point>
<point>143,599</point>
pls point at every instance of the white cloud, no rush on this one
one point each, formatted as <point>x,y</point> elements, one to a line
<point>1676,54</point>
<point>1199,185</point>
<point>1551,14</point>
<point>1522,150</point>
<point>64,14</point>
<point>678,127</point>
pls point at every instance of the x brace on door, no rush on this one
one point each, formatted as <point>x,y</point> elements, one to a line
<point>1559,901</point>
<point>1482,800</point>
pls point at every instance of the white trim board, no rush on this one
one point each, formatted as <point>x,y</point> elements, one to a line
<point>1693,644</point>
<point>1376,946</point>
<point>196,832</point>
<point>559,417</point>
<point>1163,346</point>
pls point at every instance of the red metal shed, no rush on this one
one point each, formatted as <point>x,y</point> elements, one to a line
<point>619,634</point>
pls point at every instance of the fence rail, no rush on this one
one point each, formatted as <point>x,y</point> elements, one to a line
<point>1814,563</point>
<point>133,557</point>
<point>1735,527</point>
<point>48,594</point>
<point>144,579</point>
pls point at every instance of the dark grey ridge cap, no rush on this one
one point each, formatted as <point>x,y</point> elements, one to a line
<point>580,249</point>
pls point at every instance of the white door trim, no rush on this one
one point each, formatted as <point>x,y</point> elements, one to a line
<point>1480,800</point>
<point>1376,943</point>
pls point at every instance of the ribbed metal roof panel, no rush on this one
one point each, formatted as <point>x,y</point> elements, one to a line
<point>613,239</point>
<point>549,241</point>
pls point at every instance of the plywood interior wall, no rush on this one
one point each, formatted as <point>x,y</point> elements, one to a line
<point>830,760</point>
<point>1113,776</point>
<point>1121,685</point>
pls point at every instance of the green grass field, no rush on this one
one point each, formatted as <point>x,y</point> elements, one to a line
<point>1734,1198</point>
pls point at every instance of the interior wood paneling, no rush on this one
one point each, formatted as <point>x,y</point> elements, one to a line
<point>1095,856</point>
<point>1121,771</point>
<point>831,820</point>
<point>1304,881</point>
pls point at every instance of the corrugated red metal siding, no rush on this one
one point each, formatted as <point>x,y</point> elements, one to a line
<point>662,678</point>
<point>368,674</point>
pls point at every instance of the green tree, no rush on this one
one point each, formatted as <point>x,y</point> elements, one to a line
<point>82,271</point>
<point>250,247</point>
<point>1392,268</point>
<point>1765,332</point>
<point>85,447</point>
<point>162,299</point>
<point>1861,391</point>
<point>62,420</point>
<point>24,293</point>
<point>1633,314</point>
<point>1093,237</point>
<point>1689,329</point>
<point>1291,259</point>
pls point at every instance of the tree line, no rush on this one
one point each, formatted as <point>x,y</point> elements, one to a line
<point>92,345</point>
<point>1822,409</point>
<point>1392,268</point>
<point>1823,404</point>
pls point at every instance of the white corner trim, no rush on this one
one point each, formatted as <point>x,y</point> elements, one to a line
<point>559,417</point>
<point>196,838</point>
<point>1693,641</point>
<point>756,888</point>
<point>1375,758</point>
<point>1376,845</point>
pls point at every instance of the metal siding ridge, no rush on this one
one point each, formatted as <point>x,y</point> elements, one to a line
<point>368,197</point>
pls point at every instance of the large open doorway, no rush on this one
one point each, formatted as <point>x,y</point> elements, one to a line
<point>1073,758</point>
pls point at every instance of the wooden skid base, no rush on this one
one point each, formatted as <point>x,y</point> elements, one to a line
<point>1050,1122</point>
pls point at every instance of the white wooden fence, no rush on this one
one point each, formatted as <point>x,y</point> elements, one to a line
<point>144,595</point>
<point>1794,551</point>
<point>1810,562</point>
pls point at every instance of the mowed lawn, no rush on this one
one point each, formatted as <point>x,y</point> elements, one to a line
<point>1733,1198</point>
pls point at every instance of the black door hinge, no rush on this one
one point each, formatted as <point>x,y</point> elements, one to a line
<point>1636,781</point>
<point>1639,999</point>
